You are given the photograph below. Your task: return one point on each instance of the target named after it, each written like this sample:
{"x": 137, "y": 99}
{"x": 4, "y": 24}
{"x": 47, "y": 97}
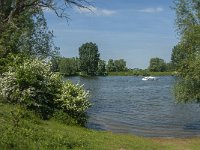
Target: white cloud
{"x": 96, "y": 11}
{"x": 152, "y": 10}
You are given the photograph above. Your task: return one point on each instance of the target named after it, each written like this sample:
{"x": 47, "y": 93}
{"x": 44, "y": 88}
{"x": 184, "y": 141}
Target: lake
{"x": 144, "y": 108}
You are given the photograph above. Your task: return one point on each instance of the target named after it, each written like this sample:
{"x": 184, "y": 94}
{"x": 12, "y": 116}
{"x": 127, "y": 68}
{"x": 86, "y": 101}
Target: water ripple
{"x": 130, "y": 105}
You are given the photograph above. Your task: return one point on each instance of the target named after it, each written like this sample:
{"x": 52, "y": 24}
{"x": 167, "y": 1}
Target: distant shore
{"x": 128, "y": 73}
{"x": 140, "y": 73}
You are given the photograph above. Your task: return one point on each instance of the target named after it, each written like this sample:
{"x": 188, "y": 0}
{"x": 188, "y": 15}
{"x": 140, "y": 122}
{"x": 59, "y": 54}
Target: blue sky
{"x": 134, "y": 30}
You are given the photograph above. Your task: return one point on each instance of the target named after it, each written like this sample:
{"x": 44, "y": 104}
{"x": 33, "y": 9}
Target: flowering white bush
{"x": 74, "y": 98}
{"x": 31, "y": 83}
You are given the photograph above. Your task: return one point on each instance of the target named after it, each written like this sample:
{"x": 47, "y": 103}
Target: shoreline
{"x": 51, "y": 134}
{"x": 125, "y": 73}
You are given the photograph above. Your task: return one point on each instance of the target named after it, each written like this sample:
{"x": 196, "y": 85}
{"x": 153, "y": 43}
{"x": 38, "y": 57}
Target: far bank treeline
{"x": 89, "y": 63}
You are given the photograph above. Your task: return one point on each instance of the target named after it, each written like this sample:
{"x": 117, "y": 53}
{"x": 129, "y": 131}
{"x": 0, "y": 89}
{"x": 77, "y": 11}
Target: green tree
{"x": 68, "y": 66}
{"x": 23, "y": 28}
{"x": 120, "y": 65}
{"x": 55, "y": 63}
{"x": 24, "y": 33}
{"x": 111, "y": 66}
{"x": 101, "y": 67}
{"x": 187, "y": 14}
{"x": 188, "y": 23}
{"x": 116, "y": 65}
{"x": 11, "y": 9}
{"x": 170, "y": 66}
{"x": 76, "y": 64}
{"x": 89, "y": 58}
{"x": 157, "y": 65}
{"x": 178, "y": 55}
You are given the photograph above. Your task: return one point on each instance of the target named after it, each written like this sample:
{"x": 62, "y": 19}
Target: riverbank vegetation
{"x": 21, "y": 129}
{"x": 89, "y": 63}
{"x": 71, "y": 67}
{"x": 30, "y": 83}
{"x": 185, "y": 55}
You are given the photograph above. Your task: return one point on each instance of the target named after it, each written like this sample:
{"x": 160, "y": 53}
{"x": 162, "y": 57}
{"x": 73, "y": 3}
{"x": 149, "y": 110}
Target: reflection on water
{"x": 146, "y": 108}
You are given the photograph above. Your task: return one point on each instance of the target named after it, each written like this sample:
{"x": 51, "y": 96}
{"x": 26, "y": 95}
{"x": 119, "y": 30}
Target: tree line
{"x": 88, "y": 63}
{"x": 159, "y": 65}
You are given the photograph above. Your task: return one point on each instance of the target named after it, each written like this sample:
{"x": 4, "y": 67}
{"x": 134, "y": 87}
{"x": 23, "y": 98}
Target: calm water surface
{"x": 145, "y": 108}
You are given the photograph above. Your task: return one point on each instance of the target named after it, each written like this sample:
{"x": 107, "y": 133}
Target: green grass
{"x": 32, "y": 133}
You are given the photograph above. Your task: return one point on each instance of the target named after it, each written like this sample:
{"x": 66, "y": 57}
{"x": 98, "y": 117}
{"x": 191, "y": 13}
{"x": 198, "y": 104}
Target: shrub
{"x": 74, "y": 101}
{"x": 31, "y": 84}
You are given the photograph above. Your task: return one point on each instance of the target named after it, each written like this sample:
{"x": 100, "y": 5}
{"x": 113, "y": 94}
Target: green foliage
{"x": 157, "y": 65}
{"x": 187, "y": 14}
{"x": 74, "y": 101}
{"x": 116, "y": 65}
{"x": 188, "y": 86}
{"x": 23, "y": 27}
{"x": 74, "y": 98}
{"x": 140, "y": 73}
{"x": 120, "y": 65}
{"x": 186, "y": 53}
{"x": 30, "y": 38}
{"x": 110, "y": 66}
{"x": 31, "y": 132}
{"x": 170, "y": 67}
{"x": 31, "y": 84}
{"x": 51, "y": 135}
{"x": 3, "y": 63}
{"x": 179, "y": 53}
{"x": 10, "y": 9}
{"x": 101, "y": 68}
{"x": 68, "y": 66}
{"x": 55, "y": 63}
{"x": 89, "y": 58}
{"x": 63, "y": 117}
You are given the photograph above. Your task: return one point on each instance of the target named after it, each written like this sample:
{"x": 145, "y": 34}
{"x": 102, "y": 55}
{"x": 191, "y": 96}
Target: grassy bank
{"x": 28, "y": 132}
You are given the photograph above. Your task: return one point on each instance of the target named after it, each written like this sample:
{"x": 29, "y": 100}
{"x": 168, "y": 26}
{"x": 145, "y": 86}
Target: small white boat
{"x": 150, "y": 78}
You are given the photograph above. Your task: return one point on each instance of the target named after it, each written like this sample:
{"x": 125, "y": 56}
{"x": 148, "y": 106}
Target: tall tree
{"x": 11, "y": 9}
{"x": 111, "y": 66}
{"x": 157, "y": 65}
{"x": 116, "y": 65}
{"x": 185, "y": 17}
{"x": 89, "y": 58}
{"x": 188, "y": 23}
{"x": 18, "y": 17}
{"x": 187, "y": 14}
{"x": 179, "y": 54}
{"x": 23, "y": 28}
{"x": 101, "y": 67}
{"x": 68, "y": 66}
{"x": 120, "y": 65}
